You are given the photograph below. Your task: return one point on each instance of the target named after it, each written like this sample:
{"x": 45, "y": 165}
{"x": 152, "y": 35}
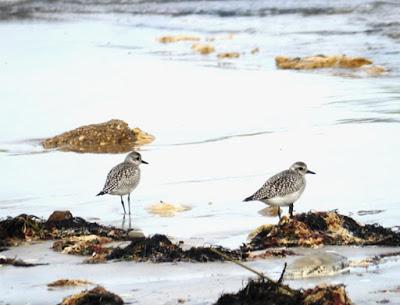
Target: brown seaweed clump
{"x": 159, "y": 249}
{"x": 95, "y": 296}
{"x": 83, "y": 245}
{"x": 320, "y": 61}
{"x": 322, "y": 228}
{"x": 203, "y": 49}
{"x": 228, "y": 55}
{"x": 68, "y": 283}
{"x": 113, "y": 136}
{"x": 60, "y": 224}
{"x": 16, "y": 262}
{"x": 177, "y": 38}
{"x": 274, "y": 293}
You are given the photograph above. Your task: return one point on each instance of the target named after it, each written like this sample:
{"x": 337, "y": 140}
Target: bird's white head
{"x": 135, "y": 158}
{"x": 301, "y": 168}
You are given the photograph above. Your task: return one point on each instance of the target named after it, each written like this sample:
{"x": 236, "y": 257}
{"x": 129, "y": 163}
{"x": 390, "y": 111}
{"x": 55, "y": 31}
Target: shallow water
{"x": 221, "y": 127}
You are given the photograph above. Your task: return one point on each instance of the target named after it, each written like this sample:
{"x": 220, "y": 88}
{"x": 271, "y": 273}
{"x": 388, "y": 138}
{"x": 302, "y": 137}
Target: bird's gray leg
{"x": 129, "y": 203}
{"x": 123, "y": 205}
{"x": 123, "y": 223}
{"x": 291, "y": 210}
{"x": 279, "y": 213}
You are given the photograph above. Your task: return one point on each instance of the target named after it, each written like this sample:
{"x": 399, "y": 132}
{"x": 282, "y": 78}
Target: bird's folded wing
{"x": 118, "y": 175}
{"x": 279, "y": 185}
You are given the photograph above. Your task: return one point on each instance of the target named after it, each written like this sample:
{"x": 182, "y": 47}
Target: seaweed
{"x": 60, "y": 224}
{"x": 261, "y": 292}
{"x": 16, "y": 262}
{"x": 95, "y": 296}
{"x": 159, "y": 248}
{"x": 322, "y": 228}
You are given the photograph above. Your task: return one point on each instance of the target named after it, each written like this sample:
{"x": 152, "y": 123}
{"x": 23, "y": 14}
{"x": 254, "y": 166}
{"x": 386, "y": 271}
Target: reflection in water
{"x": 129, "y": 223}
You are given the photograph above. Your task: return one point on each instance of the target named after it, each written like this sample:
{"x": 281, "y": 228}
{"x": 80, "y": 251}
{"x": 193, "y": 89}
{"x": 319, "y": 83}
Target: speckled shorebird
{"x": 284, "y": 188}
{"x": 123, "y": 178}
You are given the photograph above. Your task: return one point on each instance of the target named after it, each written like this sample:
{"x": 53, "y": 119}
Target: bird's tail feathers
{"x": 101, "y": 193}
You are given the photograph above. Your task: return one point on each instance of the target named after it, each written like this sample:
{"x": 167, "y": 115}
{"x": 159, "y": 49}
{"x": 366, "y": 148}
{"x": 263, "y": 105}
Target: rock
{"x": 133, "y": 234}
{"x": 203, "y": 49}
{"x": 315, "y": 265}
{"x": 228, "y": 55}
{"x": 264, "y": 292}
{"x": 322, "y": 228}
{"x": 164, "y": 209}
{"x": 255, "y": 50}
{"x": 320, "y": 61}
{"x": 59, "y": 216}
{"x": 177, "y": 38}
{"x": 96, "y": 296}
{"x": 68, "y": 283}
{"x": 113, "y": 136}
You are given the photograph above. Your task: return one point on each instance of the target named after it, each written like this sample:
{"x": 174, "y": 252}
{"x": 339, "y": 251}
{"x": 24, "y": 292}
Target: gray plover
{"x": 284, "y": 188}
{"x": 123, "y": 178}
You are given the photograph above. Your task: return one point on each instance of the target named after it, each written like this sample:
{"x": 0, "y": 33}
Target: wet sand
{"x": 221, "y": 129}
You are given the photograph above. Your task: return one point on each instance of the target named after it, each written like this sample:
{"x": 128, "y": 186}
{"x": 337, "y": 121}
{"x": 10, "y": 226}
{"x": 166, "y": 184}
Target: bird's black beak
{"x": 310, "y": 172}
{"x": 144, "y": 162}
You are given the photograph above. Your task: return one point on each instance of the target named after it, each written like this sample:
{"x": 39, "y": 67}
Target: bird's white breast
{"x": 284, "y": 200}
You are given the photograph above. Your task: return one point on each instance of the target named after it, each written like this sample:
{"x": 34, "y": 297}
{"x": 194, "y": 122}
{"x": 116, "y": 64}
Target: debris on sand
{"x": 177, "y": 38}
{"x": 165, "y": 209}
{"x": 375, "y": 260}
{"x": 113, "y": 136}
{"x": 82, "y": 245}
{"x": 203, "y": 49}
{"x": 68, "y": 283}
{"x": 267, "y": 292}
{"x": 159, "y": 249}
{"x": 314, "y": 229}
{"x": 228, "y": 55}
{"x": 16, "y": 262}
{"x": 95, "y": 296}
{"x": 61, "y": 224}
{"x": 320, "y": 61}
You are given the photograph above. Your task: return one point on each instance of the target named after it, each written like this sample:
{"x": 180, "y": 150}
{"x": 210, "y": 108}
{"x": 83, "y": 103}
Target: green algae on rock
{"x": 322, "y": 228}
{"x": 113, "y": 136}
